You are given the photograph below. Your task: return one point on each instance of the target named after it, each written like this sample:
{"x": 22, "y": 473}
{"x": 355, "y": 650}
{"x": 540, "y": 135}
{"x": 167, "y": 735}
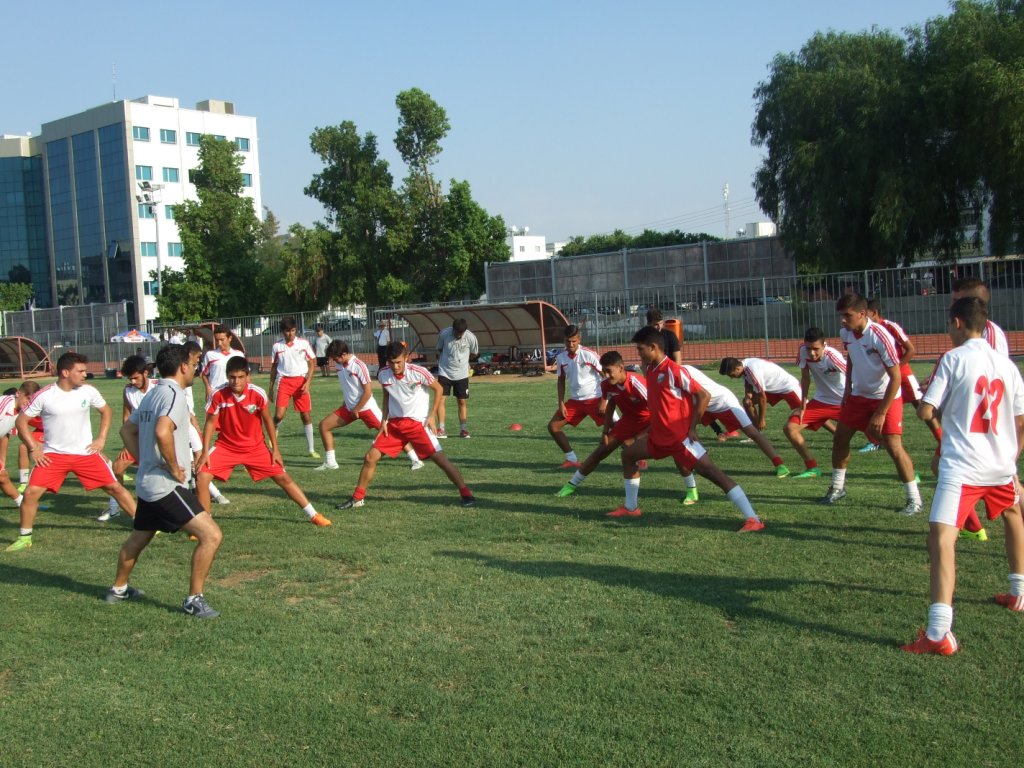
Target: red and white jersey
{"x": 996, "y": 338}
{"x": 898, "y": 335}
{"x": 133, "y": 395}
{"x": 353, "y": 378}
{"x": 722, "y": 398}
{"x": 214, "y": 364}
{"x": 292, "y": 358}
{"x": 67, "y": 426}
{"x": 582, "y": 372}
{"x": 669, "y": 398}
{"x": 8, "y": 413}
{"x": 407, "y": 394}
{"x": 765, "y": 376}
{"x": 980, "y": 393}
{"x": 240, "y": 420}
{"x": 630, "y": 396}
{"x": 829, "y": 374}
{"x": 872, "y": 351}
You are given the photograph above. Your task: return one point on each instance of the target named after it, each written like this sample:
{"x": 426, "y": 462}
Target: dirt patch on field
{"x": 240, "y": 577}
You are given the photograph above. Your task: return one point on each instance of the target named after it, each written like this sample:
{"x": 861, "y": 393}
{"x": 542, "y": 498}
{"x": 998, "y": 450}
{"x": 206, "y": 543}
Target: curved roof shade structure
{"x": 23, "y": 358}
{"x": 205, "y": 332}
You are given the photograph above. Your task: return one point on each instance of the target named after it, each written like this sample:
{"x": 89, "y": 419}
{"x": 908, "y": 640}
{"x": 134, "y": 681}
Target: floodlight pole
{"x": 151, "y": 197}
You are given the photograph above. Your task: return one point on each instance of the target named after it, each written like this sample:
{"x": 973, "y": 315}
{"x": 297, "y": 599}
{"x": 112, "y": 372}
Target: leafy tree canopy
{"x": 618, "y": 240}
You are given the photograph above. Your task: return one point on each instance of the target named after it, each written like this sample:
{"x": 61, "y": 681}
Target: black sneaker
{"x": 351, "y": 504}
{"x": 130, "y": 593}
{"x": 468, "y": 501}
{"x": 833, "y": 496}
{"x": 198, "y": 607}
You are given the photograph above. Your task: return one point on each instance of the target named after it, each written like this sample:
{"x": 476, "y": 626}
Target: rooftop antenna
{"x": 113, "y": 78}
{"x": 725, "y": 207}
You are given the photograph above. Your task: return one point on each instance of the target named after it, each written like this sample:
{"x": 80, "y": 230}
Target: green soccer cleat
{"x": 782, "y": 471}
{"x": 314, "y": 455}
{"x": 566, "y": 490}
{"x": 691, "y": 497}
{"x": 808, "y": 473}
{"x": 22, "y": 542}
{"x": 976, "y": 535}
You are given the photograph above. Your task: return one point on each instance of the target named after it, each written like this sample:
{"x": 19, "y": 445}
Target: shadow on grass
{"x": 22, "y": 576}
{"x": 734, "y": 596}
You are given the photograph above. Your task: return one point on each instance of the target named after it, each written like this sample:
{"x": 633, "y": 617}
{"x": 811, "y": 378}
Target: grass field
{"x": 526, "y": 631}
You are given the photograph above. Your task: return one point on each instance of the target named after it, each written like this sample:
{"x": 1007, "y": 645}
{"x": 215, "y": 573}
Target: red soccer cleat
{"x": 571, "y": 465}
{"x": 947, "y": 646}
{"x": 1013, "y": 602}
{"x": 319, "y": 520}
{"x": 728, "y": 435}
{"x": 750, "y": 525}
{"x": 623, "y": 512}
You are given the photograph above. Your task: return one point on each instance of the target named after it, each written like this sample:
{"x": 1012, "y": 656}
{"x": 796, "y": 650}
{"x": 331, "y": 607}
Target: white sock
{"x": 742, "y": 503}
{"x": 691, "y": 480}
{"x": 24, "y": 531}
{"x": 214, "y": 493}
{"x": 571, "y": 456}
{"x": 838, "y": 479}
{"x": 632, "y": 492}
{"x": 1017, "y": 584}
{"x": 17, "y": 501}
{"x": 329, "y": 457}
{"x": 913, "y": 494}
{"x": 308, "y": 429}
{"x": 310, "y": 512}
{"x": 940, "y": 620}
{"x": 22, "y": 476}
{"x": 119, "y": 590}
{"x": 577, "y": 477}
{"x": 112, "y": 503}
{"x": 411, "y": 453}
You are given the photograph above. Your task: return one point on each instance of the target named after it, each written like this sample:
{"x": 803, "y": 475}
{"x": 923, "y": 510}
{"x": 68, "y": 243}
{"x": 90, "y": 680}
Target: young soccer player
{"x": 357, "y": 389}
{"x": 25, "y": 393}
{"x": 826, "y": 366}
{"x": 239, "y": 413}
{"x": 457, "y": 347}
{"x": 910, "y": 390}
{"x": 676, "y": 403}
{"x": 980, "y": 395}
{"x": 871, "y": 400}
{"x": 195, "y": 439}
{"x": 994, "y": 336}
{"x": 581, "y": 369}
{"x": 68, "y": 442}
{"x": 290, "y": 375}
{"x": 156, "y": 432}
{"x": 764, "y": 384}
{"x": 406, "y": 417}
{"x": 215, "y": 359}
{"x": 8, "y": 416}
{"x": 135, "y": 371}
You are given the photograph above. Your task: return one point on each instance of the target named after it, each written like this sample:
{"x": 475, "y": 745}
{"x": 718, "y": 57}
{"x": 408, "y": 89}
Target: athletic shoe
{"x": 22, "y": 542}
{"x": 808, "y": 473}
{"x": 917, "y": 477}
{"x": 130, "y": 593}
{"x": 464, "y": 433}
{"x": 750, "y": 525}
{"x": 198, "y": 607}
{"x": 833, "y": 495}
{"x": 1013, "y": 602}
{"x": 728, "y": 435}
{"x": 110, "y": 514}
{"x": 128, "y": 477}
{"x": 22, "y": 487}
{"x": 566, "y": 490}
{"x": 623, "y": 512}
{"x": 325, "y": 466}
{"x": 442, "y": 433}
{"x": 691, "y": 497}
{"x": 220, "y": 498}
{"x": 642, "y": 465}
{"x": 947, "y": 646}
{"x": 571, "y": 465}
{"x": 351, "y": 504}
{"x": 911, "y": 508}
{"x": 869, "y": 448}
{"x": 976, "y": 535}
{"x": 320, "y": 520}
{"x": 314, "y": 455}
{"x": 414, "y": 466}
{"x": 782, "y": 471}
{"x": 468, "y": 501}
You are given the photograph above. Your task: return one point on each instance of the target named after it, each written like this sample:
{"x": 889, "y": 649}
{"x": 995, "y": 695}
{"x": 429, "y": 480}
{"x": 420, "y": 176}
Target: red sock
{"x": 359, "y": 493}
{"x": 972, "y": 523}
{"x": 811, "y": 464}
{"x": 777, "y": 461}
{"x": 464, "y": 491}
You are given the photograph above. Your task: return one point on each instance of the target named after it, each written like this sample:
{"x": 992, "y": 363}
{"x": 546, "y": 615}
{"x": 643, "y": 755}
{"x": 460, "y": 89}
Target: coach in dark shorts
{"x": 672, "y": 351}
{"x": 456, "y": 347}
{"x": 157, "y": 433}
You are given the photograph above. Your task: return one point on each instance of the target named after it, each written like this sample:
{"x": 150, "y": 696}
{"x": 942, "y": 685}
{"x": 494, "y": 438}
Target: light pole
{"x": 149, "y": 195}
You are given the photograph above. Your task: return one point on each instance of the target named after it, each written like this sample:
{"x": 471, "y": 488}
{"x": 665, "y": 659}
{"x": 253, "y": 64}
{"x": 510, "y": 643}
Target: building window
{"x": 242, "y": 143}
{"x": 148, "y": 249}
{"x": 143, "y": 172}
{"x": 192, "y": 139}
{"x": 168, "y": 211}
{"x": 174, "y": 249}
{"x": 522, "y": 249}
{"x": 145, "y": 211}
{"x": 171, "y": 175}
{"x": 167, "y": 136}
{"x": 139, "y": 133}
{"x": 246, "y": 179}
{"x": 151, "y": 287}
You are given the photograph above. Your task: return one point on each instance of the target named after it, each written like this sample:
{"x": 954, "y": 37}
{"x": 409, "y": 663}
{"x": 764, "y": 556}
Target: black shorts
{"x": 460, "y": 387}
{"x": 321, "y": 362}
{"x": 169, "y": 513}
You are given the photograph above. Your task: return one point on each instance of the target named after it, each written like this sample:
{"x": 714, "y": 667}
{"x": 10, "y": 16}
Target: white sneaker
{"x": 416, "y": 465}
{"x": 325, "y": 466}
{"x": 220, "y": 499}
{"x": 109, "y": 515}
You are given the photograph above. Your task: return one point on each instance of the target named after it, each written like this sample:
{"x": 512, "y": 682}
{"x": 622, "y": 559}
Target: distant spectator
{"x": 383, "y": 337}
{"x": 656, "y": 320}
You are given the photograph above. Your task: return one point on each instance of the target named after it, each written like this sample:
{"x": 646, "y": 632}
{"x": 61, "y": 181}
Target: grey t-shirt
{"x": 320, "y": 345}
{"x": 454, "y": 361}
{"x": 153, "y": 481}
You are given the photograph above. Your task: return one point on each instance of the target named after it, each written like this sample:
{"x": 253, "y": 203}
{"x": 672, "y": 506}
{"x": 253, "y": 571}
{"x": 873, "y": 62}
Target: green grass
{"x": 526, "y": 631}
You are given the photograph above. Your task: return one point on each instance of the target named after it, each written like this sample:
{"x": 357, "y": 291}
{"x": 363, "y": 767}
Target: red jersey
{"x": 669, "y": 390}
{"x": 630, "y": 397}
{"x": 241, "y": 423}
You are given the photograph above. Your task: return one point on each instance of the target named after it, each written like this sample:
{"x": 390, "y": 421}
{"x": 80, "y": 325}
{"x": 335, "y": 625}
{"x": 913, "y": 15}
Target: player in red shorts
{"x": 764, "y": 384}
{"x": 407, "y": 417}
{"x": 671, "y": 398}
{"x": 827, "y": 367}
{"x": 68, "y": 443}
{"x": 581, "y": 369}
{"x": 239, "y": 413}
{"x": 980, "y": 396}
{"x": 628, "y": 391}
{"x": 290, "y": 375}
{"x": 24, "y": 396}
{"x": 8, "y": 416}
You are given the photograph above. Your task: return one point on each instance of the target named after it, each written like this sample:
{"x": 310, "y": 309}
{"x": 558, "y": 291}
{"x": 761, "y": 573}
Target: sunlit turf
{"x": 528, "y": 630}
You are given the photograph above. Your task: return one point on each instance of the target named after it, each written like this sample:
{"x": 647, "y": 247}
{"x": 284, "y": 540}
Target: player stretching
{"x": 674, "y": 417}
{"x": 764, "y": 384}
{"x": 195, "y": 440}
{"x": 214, "y": 360}
{"x": 871, "y": 401}
{"x": 68, "y": 443}
{"x": 827, "y": 367}
{"x": 136, "y": 371}
{"x": 581, "y": 368}
{"x": 9, "y": 408}
{"x": 406, "y": 417}
{"x": 290, "y": 375}
{"x": 25, "y": 393}
{"x": 980, "y": 395}
{"x": 239, "y": 411}
{"x": 357, "y": 389}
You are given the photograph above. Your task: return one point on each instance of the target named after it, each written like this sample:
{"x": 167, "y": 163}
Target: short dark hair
{"x": 814, "y": 333}
{"x": 972, "y": 311}
{"x": 29, "y": 388}
{"x": 190, "y": 347}
{"x": 649, "y": 336}
{"x": 236, "y": 363}
{"x": 222, "y": 329}
{"x": 459, "y": 325}
{"x": 654, "y": 315}
{"x": 319, "y": 327}
{"x": 287, "y": 324}
{"x": 611, "y": 357}
{"x": 11, "y": 391}
{"x": 170, "y": 359}
{"x": 134, "y": 364}
{"x": 571, "y": 330}
{"x": 395, "y": 350}
{"x": 729, "y": 364}
{"x": 967, "y": 284}
{"x": 337, "y": 348}
{"x": 851, "y": 301}
{"x": 69, "y": 360}
{"x": 874, "y": 305}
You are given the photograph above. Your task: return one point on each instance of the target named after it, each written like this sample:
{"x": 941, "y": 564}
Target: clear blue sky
{"x": 569, "y": 117}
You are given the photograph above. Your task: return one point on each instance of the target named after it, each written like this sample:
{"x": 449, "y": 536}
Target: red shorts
{"x": 93, "y": 471}
{"x": 367, "y": 416}
{"x": 857, "y": 411}
{"x": 257, "y": 462}
{"x": 577, "y": 410}
{"x": 791, "y": 398}
{"x": 686, "y": 452}
{"x": 910, "y": 390}
{"x": 953, "y": 502}
{"x": 816, "y": 414}
{"x": 627, "y": 429}
{"x": 286, "y": 390}
{"x": 402, "y": 430}
{"x": 732, "y": 419}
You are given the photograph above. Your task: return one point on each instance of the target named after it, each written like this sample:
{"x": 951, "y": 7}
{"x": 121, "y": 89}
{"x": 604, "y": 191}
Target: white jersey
{"x": 765, "y": 376}
{"x": 996, "y": 338}
{"x": 979, "y": 393}
{"x": 292, "y": 359}
{"x": 407, "y": 395}
{"x": 582, "y": 372}
{"x": 722, "y": 398}
{"x": 8, "y": 413}
{"x": 829, "y": 374}
{"x": 67, "y": 427}
{"x": 353, "y": 378}
{"x": 872, "y": 352}
{"x": 133, "y": 395}
{"x": 214, "y": 365}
